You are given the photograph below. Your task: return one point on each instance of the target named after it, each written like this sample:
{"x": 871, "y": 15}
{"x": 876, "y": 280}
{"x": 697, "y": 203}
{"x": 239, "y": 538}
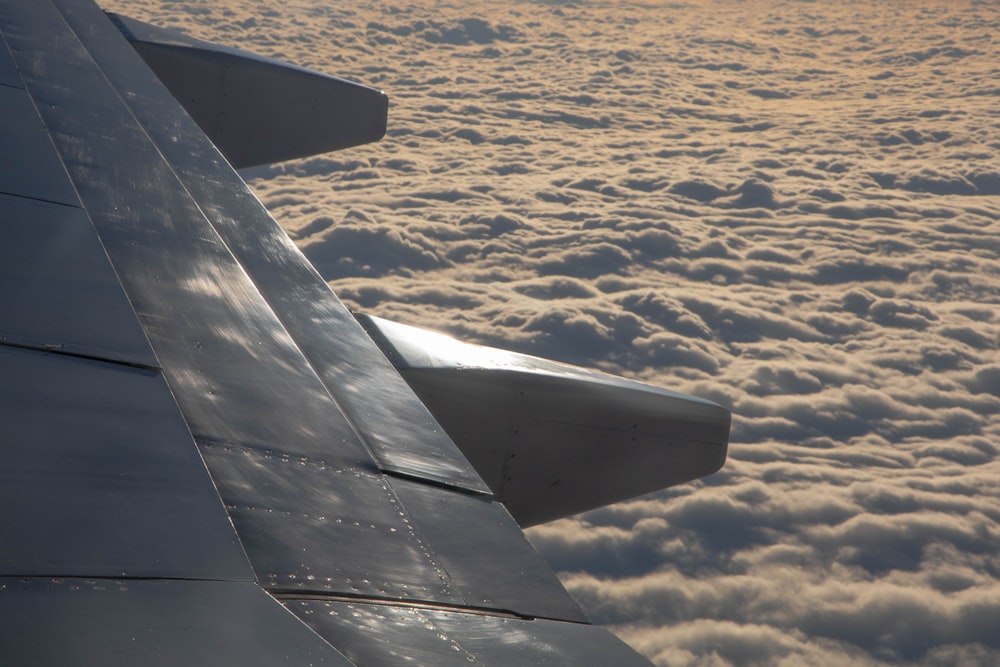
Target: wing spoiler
{"x": 255, "y": 109}
{"x": 550, "y": 439}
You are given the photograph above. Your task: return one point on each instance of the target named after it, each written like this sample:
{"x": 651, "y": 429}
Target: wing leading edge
{"x": 224, "y": 468}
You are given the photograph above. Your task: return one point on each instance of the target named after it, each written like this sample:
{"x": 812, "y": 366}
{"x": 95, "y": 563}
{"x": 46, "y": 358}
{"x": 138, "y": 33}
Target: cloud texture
{"x": 790, "y": 208}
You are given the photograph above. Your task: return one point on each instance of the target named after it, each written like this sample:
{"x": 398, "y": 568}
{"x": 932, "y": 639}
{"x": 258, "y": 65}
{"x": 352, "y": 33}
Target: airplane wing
{"x": 205, "y": 458}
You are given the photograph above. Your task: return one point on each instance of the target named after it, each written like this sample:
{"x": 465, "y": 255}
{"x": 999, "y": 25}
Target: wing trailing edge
{"x": 550, "y": 439}
{"x": 258, "y": 110}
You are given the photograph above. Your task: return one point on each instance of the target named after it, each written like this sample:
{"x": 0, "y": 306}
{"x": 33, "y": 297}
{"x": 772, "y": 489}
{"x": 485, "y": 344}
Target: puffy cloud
{"x": 796, "y": 220}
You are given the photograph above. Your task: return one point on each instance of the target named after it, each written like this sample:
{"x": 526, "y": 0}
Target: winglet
{"x": 258, "y": 110}
{"x": 551, "y": 439}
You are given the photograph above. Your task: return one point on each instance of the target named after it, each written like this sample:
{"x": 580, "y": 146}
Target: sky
{"x": 791, "y": 208}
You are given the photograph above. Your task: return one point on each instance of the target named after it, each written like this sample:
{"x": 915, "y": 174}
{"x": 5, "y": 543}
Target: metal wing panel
{"x": 237, "y": 375}
{"x": 40, "y": 176}
{"x": 99, "y": 476}
{"x": 308, "y": 526}
{"x": 57, "y": 288}
{"x": 485, "y": 553}
{"x": 400, "y": 432}
{"x": 87, "y": 487}
{"x": 379, "y": 635}
{"x": 373, "y": 635}
{"x": 8, "y": 73}
{"x": 124, "y": 622}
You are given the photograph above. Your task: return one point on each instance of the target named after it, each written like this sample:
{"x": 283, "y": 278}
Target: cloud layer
{"x": 790, "y": 208}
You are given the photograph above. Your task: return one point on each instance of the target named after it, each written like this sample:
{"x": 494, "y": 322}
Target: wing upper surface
{"x": 208, "y": 379}
{"x": 8, "y": 72}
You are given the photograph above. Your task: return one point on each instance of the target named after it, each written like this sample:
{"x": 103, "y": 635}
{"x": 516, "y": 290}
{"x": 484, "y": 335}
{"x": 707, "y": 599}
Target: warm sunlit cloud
{"x": 792, "y": 208}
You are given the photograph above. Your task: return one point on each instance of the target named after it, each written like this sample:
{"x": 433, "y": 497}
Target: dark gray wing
{"x": 201, "y": 448}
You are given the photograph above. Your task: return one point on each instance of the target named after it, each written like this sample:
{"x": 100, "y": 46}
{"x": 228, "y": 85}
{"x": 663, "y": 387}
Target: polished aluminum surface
{"x": 57, "y": 288}
{"x": 99, "y": 476}
{"x": 124, "y": 623}
{"x": 376, "y": 635}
